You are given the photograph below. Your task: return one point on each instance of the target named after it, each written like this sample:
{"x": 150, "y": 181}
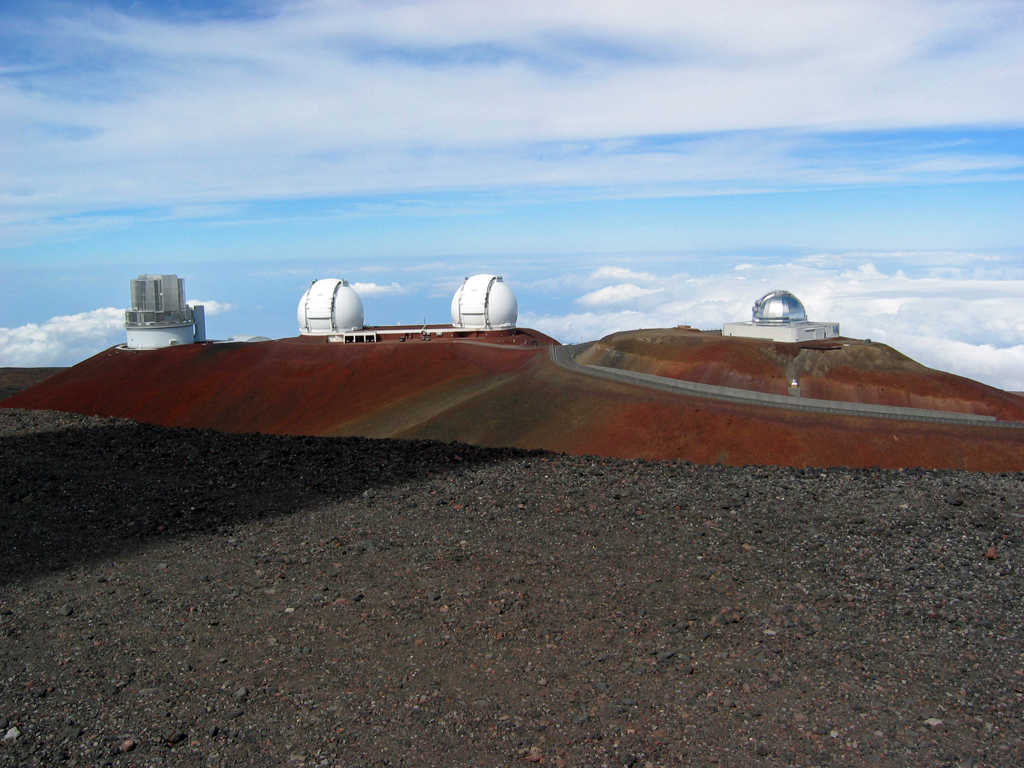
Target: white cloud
{"x": 619, "y": 273}
{"x": 1002, "y": 367}
{"x": 615, "y": 294}
{"x": 586, "y": 326}
{"x": 69, "y": 339}
{"x": 863, "y": 272}
{"x": 213, "y": 307}
{"x": 372, "y": 289}
{"x": 63, "y": 340}
{"x": 969, "y": 326}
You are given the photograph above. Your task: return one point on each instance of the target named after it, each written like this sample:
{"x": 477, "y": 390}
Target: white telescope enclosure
{"x": 159, "y": 316}
{"x": 484, "y": 302}
{"x": 329, "y": 305}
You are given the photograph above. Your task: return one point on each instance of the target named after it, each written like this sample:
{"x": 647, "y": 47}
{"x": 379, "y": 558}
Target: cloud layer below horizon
{"x": 68, "y": 339}
{"x": 964, "y": 318}
{"x": 953, "y": 320}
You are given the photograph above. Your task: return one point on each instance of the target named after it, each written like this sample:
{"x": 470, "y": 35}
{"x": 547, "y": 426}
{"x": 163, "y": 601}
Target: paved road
{"x": 565, "y": 357}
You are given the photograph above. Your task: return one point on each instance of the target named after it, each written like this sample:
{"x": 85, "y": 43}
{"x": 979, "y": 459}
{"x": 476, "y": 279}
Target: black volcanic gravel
{"x": 193, "y": 598}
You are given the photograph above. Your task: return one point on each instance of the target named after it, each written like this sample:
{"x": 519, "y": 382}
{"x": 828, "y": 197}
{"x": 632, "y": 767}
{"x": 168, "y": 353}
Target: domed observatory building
{"x": 484, "y": 309}
{"x": 484, "y": 303}
{"x": 159, "y": 316}
{"x": 780, "y": 316}
{"x": 330, "y": 307}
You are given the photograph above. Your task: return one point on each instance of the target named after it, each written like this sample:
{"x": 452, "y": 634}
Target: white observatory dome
{"x": 484, "y": 302}
{"x": 329, "y": 306}
{"x": 779, "y": 307}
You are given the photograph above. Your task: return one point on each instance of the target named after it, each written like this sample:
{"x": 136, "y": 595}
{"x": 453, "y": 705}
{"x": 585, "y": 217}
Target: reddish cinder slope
{"x": 13, "y": 380}
{"x": 548, "y": 407}
{"x": 849, "y": 370}
{"x": 291, "y": 386}
{"x": 490, "y": 395}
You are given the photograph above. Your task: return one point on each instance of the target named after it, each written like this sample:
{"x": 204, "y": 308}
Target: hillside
{"x": 849, "y": 370}
{"x": 490, "y": 395}
{"x": 13, "y": 380}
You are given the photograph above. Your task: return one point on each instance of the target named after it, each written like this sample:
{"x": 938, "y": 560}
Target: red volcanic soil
{"x": 287, "y": 387}
{"x": 848, "y": 370}
{"x": 490, "y": 395}
{"x": 547, "y": 407}
{"x": 14, "y": 380}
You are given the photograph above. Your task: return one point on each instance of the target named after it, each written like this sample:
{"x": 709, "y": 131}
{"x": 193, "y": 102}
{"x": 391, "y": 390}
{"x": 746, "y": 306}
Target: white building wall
{"x": 783, "y": 332}
{"x": 199, "y": 316}
{"x": 159, "y": 337}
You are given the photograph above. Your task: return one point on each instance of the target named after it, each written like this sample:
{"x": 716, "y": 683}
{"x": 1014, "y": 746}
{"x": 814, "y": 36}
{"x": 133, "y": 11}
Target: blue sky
{"x": 621, "y": 164}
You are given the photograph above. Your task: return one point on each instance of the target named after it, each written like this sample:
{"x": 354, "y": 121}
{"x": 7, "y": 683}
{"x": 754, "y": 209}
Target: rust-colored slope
{"x": 688, "y": 355}
{"x": 551, "y": 408}
{"x": 291, "y": 386}
{"x": 14, "y": 380}
{"x": 488, "y": 395}
{"x": 845, "y": 369}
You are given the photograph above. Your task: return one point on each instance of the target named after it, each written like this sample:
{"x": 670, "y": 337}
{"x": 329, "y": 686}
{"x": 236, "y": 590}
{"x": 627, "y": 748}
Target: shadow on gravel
{"x": 77, "y": 495}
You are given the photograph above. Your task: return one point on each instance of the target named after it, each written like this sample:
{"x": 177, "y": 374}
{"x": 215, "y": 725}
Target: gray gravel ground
{"x": 192, "y": 598}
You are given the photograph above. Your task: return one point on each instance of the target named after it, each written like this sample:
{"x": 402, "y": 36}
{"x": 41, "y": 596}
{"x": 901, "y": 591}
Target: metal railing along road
{"x": 565, "y": 356}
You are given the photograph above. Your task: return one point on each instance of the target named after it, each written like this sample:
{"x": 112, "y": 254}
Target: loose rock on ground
{"x": 192, "y": 598}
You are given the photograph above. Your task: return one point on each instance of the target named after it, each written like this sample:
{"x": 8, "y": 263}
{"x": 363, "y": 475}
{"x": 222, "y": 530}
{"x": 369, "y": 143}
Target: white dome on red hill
{"x": 484, "y": 302}
{"x": 329, "y": 306}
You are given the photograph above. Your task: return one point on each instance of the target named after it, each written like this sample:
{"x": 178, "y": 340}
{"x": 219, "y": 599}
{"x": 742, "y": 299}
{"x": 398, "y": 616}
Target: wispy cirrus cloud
{"x": 110, "y": 107}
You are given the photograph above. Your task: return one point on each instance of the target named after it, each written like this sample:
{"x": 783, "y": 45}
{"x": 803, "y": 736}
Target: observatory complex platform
{"x": 483, "y": 308}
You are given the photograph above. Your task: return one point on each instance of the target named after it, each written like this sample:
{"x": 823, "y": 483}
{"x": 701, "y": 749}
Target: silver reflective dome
{"x": 779, "y": 307}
